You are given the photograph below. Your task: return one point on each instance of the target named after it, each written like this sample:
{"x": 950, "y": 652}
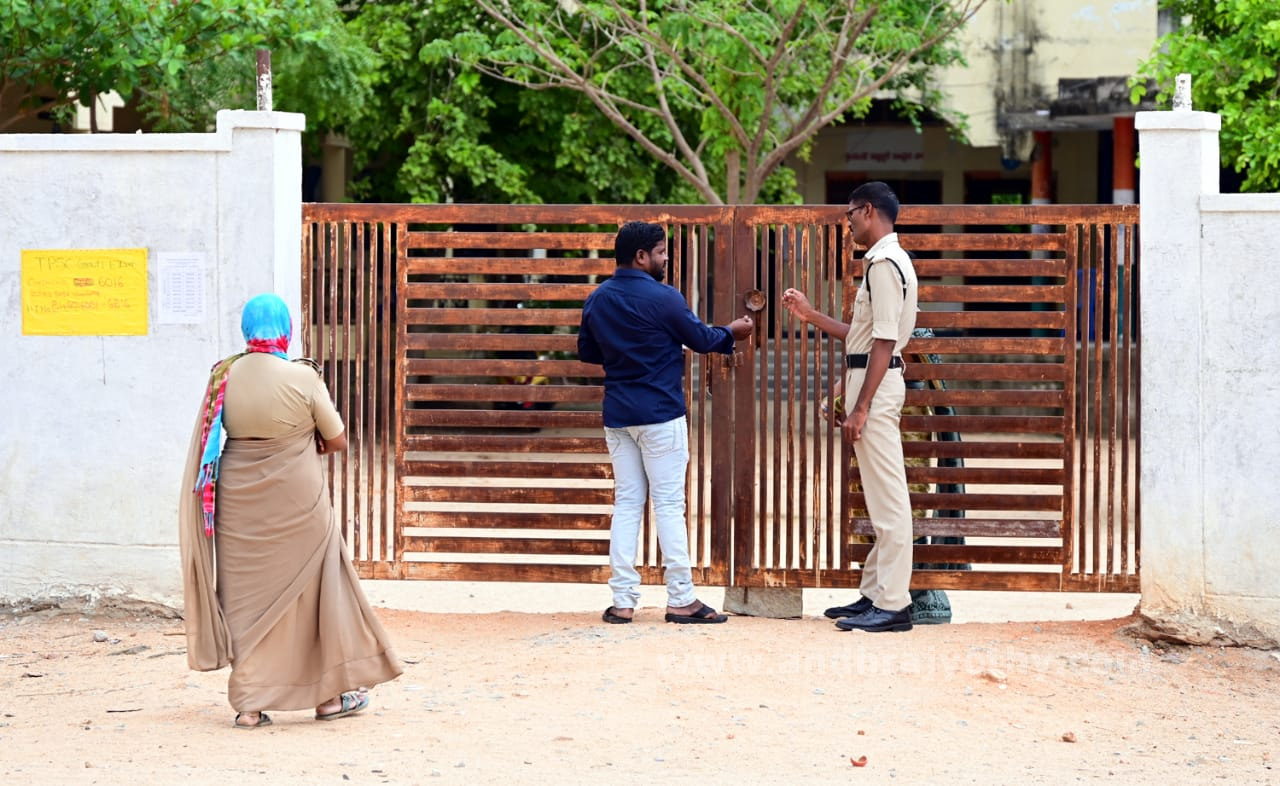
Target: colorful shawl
{"x": 267, "y": 327}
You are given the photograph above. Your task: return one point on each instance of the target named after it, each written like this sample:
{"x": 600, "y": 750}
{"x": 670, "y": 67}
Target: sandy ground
{"x": 493, "y": 696}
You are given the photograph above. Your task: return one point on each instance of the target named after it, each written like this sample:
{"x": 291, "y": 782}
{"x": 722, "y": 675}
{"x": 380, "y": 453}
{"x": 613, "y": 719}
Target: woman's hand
{"x": 327, "y": 446}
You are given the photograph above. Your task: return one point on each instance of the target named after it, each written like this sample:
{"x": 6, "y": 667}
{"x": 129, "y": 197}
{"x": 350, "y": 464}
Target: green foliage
{"x": 435, "y": 130}
{"x": 423, "y": 136}
{"x": 560, "y": 101}
{"x": 182, "y": 60}
{"x": 1231, "y": 49}
{"x": 719, "y": 91}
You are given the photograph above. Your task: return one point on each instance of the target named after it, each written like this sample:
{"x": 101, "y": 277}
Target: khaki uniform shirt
{"x": 884, "y": 312}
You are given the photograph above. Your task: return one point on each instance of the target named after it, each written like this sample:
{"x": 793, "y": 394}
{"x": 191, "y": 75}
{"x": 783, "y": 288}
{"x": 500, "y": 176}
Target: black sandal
{"x": 705, "y": 615}
{"x": 614, "y": 619}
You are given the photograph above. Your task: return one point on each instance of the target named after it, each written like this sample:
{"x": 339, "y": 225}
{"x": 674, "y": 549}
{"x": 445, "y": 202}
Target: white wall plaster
{"x": 94, "y": 429}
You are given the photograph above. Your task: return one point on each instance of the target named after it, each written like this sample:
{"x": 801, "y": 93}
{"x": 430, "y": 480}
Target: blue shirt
{"x": 636, "y": 328}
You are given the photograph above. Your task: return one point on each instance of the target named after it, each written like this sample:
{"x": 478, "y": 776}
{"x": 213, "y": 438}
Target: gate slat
{"x": 986, "y": 424}
{"x": 984, "y": 241}
{"x": 1016, "y": 214}
{"x": 985, "y": 268}
{"x": 579, "y": 470}
{"x": 502, "y": 392}
{"x": 1021, "y": 476}
{"x": 511, "y": 265}
{"x": 500, "y": 342}
{"x": 975, "y": 527}
{"x": 831, "y": 578}
{"x": 550, "y": 495}
{"x": 973, "y": 501}
{"x": 502, "y": 520}
{"x": 538, "y": 546}
{"x": 1016, "y": 449}
{"x": 1008, "y": 293}
{"x": 961, "y": 398}
{"x": 987, "y": 372}
{"x": 963, "y": 555}
{"x": 502, "y": 368}
{"x": 1007, "y": 320}
{"x": 503, "y": 444}
{"x": 495, "y": 571}
{"x": 500, "y": 419}
{"x": 496, "y": 290}
{"x": 573, "y": 241}
{"x": 497, "y": 317}
{"x": 986, "y": 346}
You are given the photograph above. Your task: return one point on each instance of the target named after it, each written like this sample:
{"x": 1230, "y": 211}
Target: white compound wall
{"x": 1210, "y": 311}
{"x": 94, "y": 428}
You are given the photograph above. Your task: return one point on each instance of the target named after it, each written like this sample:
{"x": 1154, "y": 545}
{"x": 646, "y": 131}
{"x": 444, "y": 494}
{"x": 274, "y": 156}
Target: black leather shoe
{"x": 877, "y": 620}
{"x": 852, "y": 610}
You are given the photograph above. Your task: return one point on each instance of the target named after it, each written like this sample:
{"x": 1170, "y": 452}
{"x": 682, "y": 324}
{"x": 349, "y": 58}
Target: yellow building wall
{"x": 1017, "y": 50}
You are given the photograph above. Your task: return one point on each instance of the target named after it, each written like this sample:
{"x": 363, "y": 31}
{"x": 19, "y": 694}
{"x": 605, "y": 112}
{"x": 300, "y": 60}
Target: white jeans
{"x": 649, "y": 462}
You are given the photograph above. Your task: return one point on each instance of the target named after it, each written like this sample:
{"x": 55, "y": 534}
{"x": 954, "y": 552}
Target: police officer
{"x": 884, "y": 314}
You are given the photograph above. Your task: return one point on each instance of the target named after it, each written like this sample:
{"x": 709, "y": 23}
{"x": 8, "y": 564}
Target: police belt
{"x": 860, "y": 361}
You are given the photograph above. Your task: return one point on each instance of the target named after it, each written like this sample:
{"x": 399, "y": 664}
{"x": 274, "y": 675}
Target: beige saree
{"x": 273, "y": 593}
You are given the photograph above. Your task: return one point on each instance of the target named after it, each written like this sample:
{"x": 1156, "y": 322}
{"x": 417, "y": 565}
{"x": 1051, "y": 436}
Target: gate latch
{"x": 755, "y": 301}
{"x": 736, "y": 360}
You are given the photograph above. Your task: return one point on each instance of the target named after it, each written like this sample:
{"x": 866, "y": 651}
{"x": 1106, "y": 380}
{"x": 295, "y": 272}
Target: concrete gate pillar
{"x": 1179, "y": 152}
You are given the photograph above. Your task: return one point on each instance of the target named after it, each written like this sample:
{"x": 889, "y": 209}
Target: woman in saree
{"x": 268, "y": 586}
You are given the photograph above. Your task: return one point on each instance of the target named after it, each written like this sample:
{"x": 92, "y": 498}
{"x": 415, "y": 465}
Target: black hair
{"x": 879, "y": 196}
{"x": 634, "y": 237}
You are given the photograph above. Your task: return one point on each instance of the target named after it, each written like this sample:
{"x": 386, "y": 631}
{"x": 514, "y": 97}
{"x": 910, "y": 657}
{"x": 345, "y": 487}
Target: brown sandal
{"x": 263, "y": 720}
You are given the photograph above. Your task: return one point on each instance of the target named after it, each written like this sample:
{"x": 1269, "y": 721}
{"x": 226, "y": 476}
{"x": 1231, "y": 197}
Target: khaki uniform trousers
{"x": 886, "y": 574}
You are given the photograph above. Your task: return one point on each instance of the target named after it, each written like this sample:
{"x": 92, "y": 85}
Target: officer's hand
{"x": 794, "y": 300}
{"x": 853, "y": 424}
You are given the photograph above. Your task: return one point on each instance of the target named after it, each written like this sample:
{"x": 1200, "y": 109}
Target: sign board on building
{"x": 883, "y": 149}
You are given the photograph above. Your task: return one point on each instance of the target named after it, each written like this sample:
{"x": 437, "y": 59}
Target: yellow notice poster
{"x": 84, "y": 292}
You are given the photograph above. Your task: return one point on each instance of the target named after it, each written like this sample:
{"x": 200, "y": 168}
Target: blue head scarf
{"x": 266, "y": 325}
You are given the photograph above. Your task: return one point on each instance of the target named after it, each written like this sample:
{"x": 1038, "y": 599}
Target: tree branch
{"x": 754, "y": 178}
{"x": 603, "y": 100}
{"x": 789, "y": 110}
{"x": 699, "y": 82}
{"x": 668, "y": 117}
{"x": 814, "y": 119}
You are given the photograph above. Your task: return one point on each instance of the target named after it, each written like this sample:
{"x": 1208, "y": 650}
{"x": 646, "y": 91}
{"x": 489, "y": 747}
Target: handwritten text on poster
{"x": 84, "y": 292}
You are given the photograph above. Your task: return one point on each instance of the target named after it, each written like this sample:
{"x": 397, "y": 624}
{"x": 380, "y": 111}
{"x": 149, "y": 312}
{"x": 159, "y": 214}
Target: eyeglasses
{"x": 851, "y": 211}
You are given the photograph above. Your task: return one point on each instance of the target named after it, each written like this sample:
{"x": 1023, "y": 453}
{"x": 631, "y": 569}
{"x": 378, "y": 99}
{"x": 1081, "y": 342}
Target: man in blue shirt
{"x": 637, "y": 328}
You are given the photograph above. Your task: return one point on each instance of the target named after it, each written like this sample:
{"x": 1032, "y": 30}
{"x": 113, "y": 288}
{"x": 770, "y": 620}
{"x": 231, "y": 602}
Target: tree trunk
{"x": 733, "y": 176}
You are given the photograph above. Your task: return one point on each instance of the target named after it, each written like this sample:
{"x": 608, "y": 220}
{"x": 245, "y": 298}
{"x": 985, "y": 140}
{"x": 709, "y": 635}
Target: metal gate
{"x": 447, "y": 333}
